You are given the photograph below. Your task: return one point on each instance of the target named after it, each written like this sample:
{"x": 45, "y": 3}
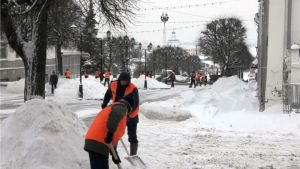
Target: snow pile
{"x": 92, "y": 88}
{"x": 43, "y": 135}
{"x": 181, "y": 78}
{"x": 151, "y": 83}
{"x": 231, "y": 104}
{"x": 16, "y": 86}
{"x": 165, "y": 111}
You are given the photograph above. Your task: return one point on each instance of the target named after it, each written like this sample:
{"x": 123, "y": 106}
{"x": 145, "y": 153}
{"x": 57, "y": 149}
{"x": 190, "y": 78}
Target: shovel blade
{"x": 136, "y": 161}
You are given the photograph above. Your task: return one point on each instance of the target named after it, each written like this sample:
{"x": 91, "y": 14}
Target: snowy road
{"x": 9, "y": 102}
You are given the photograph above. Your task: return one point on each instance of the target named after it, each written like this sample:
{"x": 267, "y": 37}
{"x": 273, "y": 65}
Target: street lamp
{"x": 93, "y": 33}
{"x": 149, "y": 47}
{"x": 164, "y": 18}
{"x": 108, "y": 34}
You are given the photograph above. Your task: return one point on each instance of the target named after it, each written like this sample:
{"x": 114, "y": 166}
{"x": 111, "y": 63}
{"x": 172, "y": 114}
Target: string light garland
{"x": 185, "y": 6}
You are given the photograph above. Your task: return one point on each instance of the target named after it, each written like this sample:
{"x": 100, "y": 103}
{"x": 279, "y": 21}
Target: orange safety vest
{"x": 98, "y": 129}
{"x": 68, "y": 73}
{"x": 129, "y": 90}
{"x": 106, "y": 74}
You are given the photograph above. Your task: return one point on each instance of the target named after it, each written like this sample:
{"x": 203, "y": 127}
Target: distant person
{"x": 101, "y": 76}
{"x": 104, "y": 133}
{"x": 193, "y": 79}
{"x": 68, "y": 74}
{"x": 172, "y": 78}
{"x": 86, "y": 75}
{"x": 53, "y": 81}
{"x": 106, "y": 77}
{"x": 124, "y": 89}
{"x": 198, "y": 79}
{"x": 204, "y": 80}
{"x": 97, "y": 74}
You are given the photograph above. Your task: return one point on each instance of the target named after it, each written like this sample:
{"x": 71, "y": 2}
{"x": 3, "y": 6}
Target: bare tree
{"x": 28, "y": 35}
{"x": 223, "y": 40}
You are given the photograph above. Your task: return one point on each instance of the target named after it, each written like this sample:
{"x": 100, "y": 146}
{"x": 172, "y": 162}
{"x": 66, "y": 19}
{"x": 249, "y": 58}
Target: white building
{"x": 173, "y": 41}
{"x": 279, "y": 65}
{"x": 12, "y": 67}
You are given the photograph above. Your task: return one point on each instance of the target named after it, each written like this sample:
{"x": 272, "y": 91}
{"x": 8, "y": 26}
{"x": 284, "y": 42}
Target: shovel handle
{"x": 125, "y": 147}
{"x": 114, "y": 154}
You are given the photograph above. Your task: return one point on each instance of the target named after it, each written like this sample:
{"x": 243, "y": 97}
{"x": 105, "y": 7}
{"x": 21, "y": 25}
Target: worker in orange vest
{"x": 97, "y": 74}
{"x": 104, "y": 133}
{"x": 124, "y": 89}
{"x": 68, "y": 74}
{"x": 106, "y": 77}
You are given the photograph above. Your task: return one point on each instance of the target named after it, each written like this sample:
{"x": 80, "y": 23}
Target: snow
{"x": 92, "y": 88}
{"x": 151, "y": 83}
{"x": 295, "y": 46}
{"x": 181, "y": 78}
{"x": 210, "y": 127}
{"x": 43, "y": 135}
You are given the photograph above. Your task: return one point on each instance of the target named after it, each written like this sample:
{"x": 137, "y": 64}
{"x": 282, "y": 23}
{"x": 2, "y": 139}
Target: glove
{"x": 103, "y": 106}
{"x": 109, "y": 137}
{"x": 116, "y": 161}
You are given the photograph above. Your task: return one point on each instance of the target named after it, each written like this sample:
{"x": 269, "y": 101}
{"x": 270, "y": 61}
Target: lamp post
{"x": 149, "y": 47}
{"x": 164, "y": 18}
{"x": 108, "y": 34}
{"x": 93, "y": 33}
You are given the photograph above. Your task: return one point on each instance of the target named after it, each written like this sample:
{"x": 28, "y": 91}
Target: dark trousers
{"x": 192, "y": 82}
{"x": 106, "y": 81}
{"x": 53, "y": 86}
{"x": 98, "y": 161}
{"x": 172, "y": 83}
{"x": 131, "y": 129}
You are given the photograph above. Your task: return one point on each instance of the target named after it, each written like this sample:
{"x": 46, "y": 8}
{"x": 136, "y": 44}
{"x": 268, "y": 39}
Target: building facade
{"x": 12, "y": 67}
{"x": 278, "y": 64}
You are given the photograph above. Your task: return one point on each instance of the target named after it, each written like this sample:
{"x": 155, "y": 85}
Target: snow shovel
{"x": 112, "y": 149}
{"x": 134, "y": 159}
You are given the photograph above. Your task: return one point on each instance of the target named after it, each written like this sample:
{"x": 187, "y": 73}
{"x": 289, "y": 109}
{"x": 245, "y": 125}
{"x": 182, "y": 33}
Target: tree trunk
{"x": 59, "y": 57}
{"x": 33, "y": 53}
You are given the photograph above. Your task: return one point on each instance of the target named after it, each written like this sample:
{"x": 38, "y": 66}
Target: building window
{"x": 3, "y": 48}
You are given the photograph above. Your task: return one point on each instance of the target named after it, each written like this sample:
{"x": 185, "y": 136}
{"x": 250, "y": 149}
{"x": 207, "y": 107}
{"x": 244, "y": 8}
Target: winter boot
{"x": 133, "y": 148}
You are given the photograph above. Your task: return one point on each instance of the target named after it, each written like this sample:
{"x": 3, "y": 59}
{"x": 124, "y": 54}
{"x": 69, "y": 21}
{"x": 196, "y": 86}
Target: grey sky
{"x": 188, "y": 22}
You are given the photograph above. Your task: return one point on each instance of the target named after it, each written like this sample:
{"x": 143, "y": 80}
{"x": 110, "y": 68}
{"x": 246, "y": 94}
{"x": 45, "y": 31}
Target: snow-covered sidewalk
{"x": 211, "y": 127}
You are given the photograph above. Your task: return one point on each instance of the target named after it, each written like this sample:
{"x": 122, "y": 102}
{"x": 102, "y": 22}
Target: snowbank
{"x": 162, "y": 111}
{"x": 181, "y": 78}
{"x": 16, "y": 87}
{"x": 92, "y": 88}
{"x": 151, "y": 83}
{"x": 43, "y": 135}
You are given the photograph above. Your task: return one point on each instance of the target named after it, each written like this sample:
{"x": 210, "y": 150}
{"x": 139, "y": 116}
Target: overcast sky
{"x": 187, "y": 21}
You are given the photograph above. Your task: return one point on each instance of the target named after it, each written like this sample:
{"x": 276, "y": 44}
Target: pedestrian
{"x": 106, "y": 77}
{"x": 53, "y": 81}
{"x": 150, "y": 74}
{"x": 198, "y": 79}
{"x": 124, "y": 89}
{"x": 101, "y": 76}
{"x": 193, "y": 78}
{"x": 68, "y": 74}
{"x": 104, "y": 133}
{"x": 86, "y": 75}
{"x": 97, "y": 74}
{"x": 204, "y": 80}
{"x": 172, "y": 78}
